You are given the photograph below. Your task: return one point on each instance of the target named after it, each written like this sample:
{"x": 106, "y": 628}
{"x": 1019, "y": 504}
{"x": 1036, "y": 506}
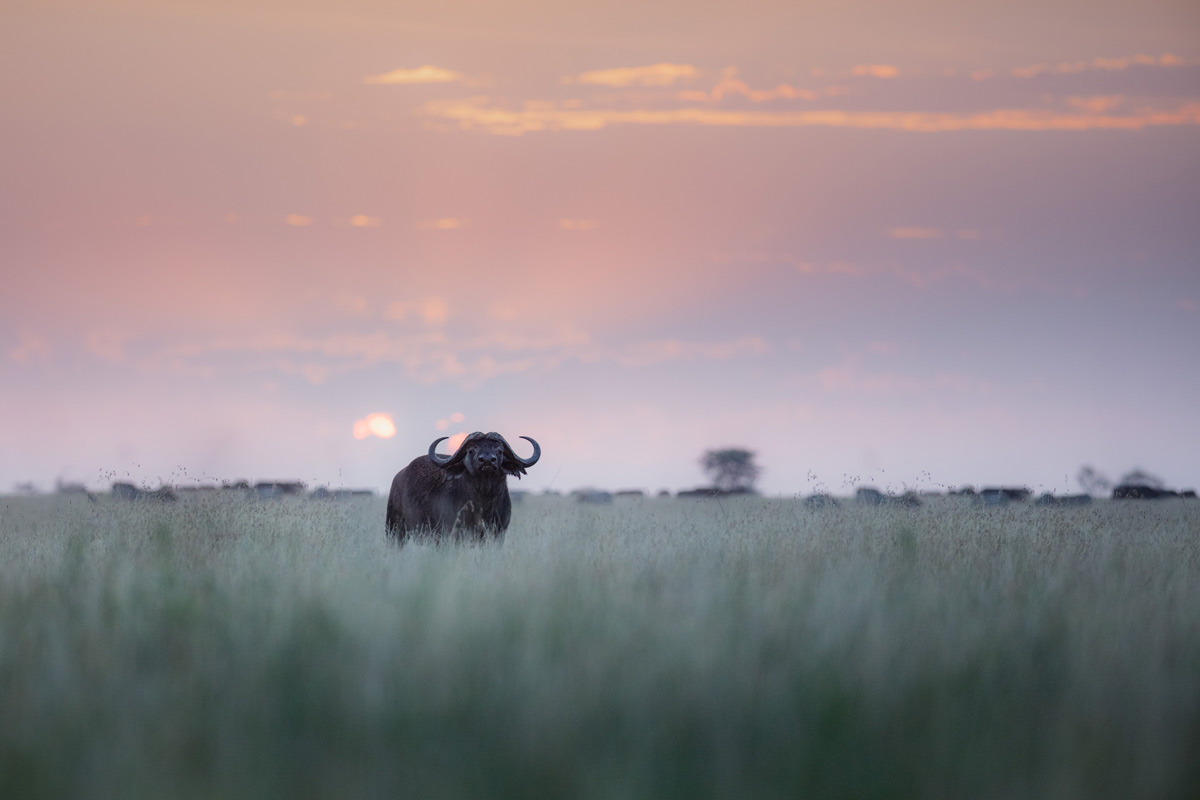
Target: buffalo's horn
{"x": 533, "y": 459}
{"x": 437, "y": 457}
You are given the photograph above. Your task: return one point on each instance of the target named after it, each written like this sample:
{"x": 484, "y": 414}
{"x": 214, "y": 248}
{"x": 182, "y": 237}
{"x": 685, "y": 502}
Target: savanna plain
{"x": 653, "y": 648}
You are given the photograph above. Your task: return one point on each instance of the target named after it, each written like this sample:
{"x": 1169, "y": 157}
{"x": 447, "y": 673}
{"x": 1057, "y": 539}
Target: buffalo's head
{"x": 484, "y": 454}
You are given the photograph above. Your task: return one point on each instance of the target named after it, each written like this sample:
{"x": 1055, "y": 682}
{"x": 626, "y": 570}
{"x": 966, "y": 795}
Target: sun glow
{"x": 380, "y": 425}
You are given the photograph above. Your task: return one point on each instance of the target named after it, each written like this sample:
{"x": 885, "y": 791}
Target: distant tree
{"x": 732, "y": 468}
{"x": 1093, "y": 482}
{"x": 1139, "y": 477}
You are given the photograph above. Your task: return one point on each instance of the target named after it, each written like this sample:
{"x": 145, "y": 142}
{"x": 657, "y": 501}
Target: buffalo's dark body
{"x": 425, "y": 498}
{"x": 464, "y": 496}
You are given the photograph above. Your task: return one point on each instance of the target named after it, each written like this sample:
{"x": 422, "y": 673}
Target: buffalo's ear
{"x": 455, "y": 468}
{"x": 513, "y": 467}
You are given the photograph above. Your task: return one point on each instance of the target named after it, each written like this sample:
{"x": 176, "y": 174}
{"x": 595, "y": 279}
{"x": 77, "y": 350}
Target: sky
{"x": 906, "y": 245}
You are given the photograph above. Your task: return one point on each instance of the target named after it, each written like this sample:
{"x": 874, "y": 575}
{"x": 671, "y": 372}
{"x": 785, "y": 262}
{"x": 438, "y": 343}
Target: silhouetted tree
{"x": 731, "y": 469}
{"x": 1093, "y": 482}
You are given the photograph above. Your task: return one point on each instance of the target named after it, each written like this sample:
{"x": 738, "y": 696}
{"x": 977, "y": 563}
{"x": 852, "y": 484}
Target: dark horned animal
{"x": 464, "y": 495}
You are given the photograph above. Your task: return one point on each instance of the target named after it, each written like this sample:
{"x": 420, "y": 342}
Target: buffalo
{"x": 463, "y": 496}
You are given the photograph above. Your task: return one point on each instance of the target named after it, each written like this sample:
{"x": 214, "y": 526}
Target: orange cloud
{"x": 443, "y": 224}
{"x": 1096, "y": 104}
{"x": 915, "y": 233}
{"x": 435, "y": 311}
{"x": 654, "y": 75}
{"x": 578, "y": 224}
{"x": 475, "y": 114}
{"x": 363, "y": 221}
{"x": 298, "y": 220}
{"x": 425, "y": 74}
{"x": 729, "y": 86}
{"x": 453, "y": 419}
{"x": 1106, "y": 64}
{"x": 380, "y": 425}
{"x": 30, "y": 347}
{"x": 876, "y": 70}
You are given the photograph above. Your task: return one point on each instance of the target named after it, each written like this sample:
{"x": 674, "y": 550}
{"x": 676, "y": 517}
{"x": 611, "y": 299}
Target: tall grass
{"x": 661, "y": 648}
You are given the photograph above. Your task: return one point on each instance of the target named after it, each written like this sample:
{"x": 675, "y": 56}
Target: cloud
{"x": 435, "y": 311}
{"x": 578, "y": 224}
{"x": 1104, "y": 64}
{"x": 1189, "y": 305}
{"x": 298, "y": 220}
{"x": 29, "y": 348}
{"x": 476, "y": 114}
{"x": 453, "y": 419}
{"x": 434, "y": 356}
{"x": 876, "y": 70}
{"x": 729, "y": 85}
{"x": 918, "y": 278}
{"x": 380, "y": 425}
{"x": 915, "y": 233}
{"x": 425, "y": 74}
{"x": 654, "y": 75}
{"x": 1096, "y": 104}
{"x": 363, "y": 221}
{"x": 443, "y": 224}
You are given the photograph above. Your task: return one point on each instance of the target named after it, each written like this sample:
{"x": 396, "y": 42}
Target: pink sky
{"x": 901, "y": 245}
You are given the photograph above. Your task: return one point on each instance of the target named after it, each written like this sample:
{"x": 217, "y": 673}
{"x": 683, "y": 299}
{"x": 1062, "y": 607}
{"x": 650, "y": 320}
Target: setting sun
{"x": 380, "y": 425}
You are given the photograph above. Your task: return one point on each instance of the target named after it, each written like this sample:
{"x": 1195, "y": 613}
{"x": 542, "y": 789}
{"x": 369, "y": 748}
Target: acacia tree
{"x": 732, "y": 469}
{"x": 1092, "y": 481}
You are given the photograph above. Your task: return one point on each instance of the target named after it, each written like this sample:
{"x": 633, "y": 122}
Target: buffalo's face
{"x": 484, "y": 457}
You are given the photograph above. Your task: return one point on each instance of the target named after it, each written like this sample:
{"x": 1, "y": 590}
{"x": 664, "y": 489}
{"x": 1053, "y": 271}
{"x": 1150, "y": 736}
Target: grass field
{"x": 659, "y": 648}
